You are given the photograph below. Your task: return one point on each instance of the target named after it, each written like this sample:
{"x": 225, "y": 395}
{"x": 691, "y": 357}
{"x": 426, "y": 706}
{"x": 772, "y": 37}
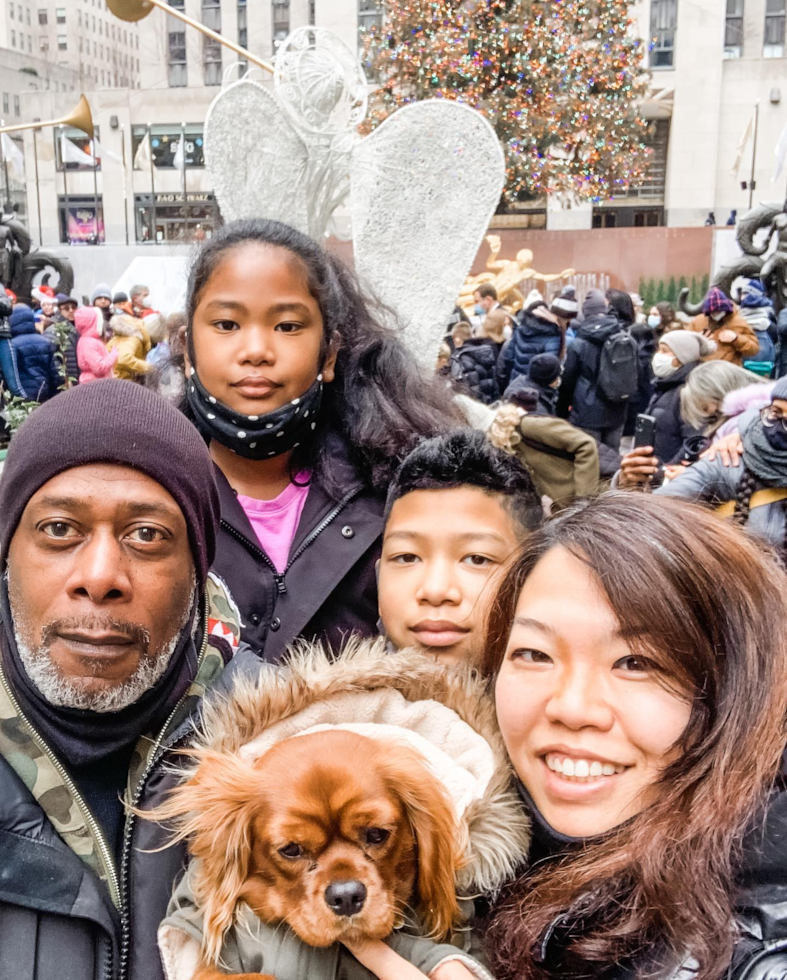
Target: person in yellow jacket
{"x": 131, "y": 340}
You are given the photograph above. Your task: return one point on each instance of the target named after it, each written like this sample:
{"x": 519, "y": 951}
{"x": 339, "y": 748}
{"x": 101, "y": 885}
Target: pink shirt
{"x": 276, "y": 521}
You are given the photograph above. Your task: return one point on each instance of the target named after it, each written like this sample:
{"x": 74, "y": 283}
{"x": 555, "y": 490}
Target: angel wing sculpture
{"x": 422, "y": 187}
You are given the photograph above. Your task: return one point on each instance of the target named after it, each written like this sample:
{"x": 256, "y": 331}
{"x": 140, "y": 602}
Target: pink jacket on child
{"x": 95, "y": 361}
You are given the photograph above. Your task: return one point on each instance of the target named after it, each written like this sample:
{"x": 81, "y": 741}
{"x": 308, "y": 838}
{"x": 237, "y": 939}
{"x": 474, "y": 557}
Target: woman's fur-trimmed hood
{"x": 124, "y": 325}
{"x": 443, "y": 711}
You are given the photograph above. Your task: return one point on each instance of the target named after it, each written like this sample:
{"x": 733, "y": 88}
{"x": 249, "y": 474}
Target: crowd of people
{"x": 260, "y": 518}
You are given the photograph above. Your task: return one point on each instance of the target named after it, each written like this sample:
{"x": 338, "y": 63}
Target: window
{"x": 663, "y": 21}
{"x": 177, "y": 59}
{"x": 773, "y": 42}
{"x": 312, "y": 11}
{"x": 164, "y": 141}
{"x": 19, "y": 12}
{"x": 61, "y": 15}
{"x": 211, "y": 59}
{"x": 79, "y": 18}
{"x": 17, "y": 108}
{"x": 211, "y": 14}
{"x": 62, "y": 42}
{"x": 43, "y": 43}
{"x": 6, "y": 104}
{"x": 370, "y": 14}
{"x": 281, "y": 21}
{"x": 13, "y": 39}
{"x": 43, "y": 19}
{"x": 29, "y": 44}
{"x": 27, "y": 16}
{"x": 243, "y": 29}
{"x": 11, "y": 11}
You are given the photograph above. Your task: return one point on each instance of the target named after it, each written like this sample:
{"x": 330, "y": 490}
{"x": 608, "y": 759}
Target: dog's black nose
{"x": 345, "y": 897}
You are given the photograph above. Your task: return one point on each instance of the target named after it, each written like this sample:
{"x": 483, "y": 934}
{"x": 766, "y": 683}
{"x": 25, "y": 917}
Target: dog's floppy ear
{"x": 213, "y": 810}
{"x": 433, "y": 823}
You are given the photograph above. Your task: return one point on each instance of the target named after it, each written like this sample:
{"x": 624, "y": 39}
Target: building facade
{"x": 150, "y": 86}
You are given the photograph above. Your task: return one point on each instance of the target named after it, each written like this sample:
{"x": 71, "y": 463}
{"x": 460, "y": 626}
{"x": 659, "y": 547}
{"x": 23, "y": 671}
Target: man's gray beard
{"x": 63, "y": 692}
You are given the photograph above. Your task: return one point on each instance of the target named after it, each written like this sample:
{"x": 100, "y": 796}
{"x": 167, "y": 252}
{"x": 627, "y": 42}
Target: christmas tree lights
{"x": 560, "y": 80}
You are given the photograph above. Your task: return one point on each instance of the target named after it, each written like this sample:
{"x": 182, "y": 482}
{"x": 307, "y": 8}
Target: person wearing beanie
{"x": 36, "y": 363}
{"x": 101, "y": 297}
{"x": 562, "y": 459}
{"x": 565, "y": 303}
{"x": 580, "y": 399}
{"x": 61, "y": 332}
{"x": 753, "y": 492}
{"x": 131, "y": 342}
{"x": 95, "y": 361}
{"x": 539, "y": 329}
{"x": 110, "y": 631}
{"x": 544, "y": 374}
{"x": 720, "y": 322}
{"x": 757, "y": 310}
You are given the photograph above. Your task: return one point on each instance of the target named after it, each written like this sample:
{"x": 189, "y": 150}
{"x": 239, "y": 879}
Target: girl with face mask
{"x": 756, "y": 489}
{"x": 307, "y": 403}
{"x": 643, "y": 716}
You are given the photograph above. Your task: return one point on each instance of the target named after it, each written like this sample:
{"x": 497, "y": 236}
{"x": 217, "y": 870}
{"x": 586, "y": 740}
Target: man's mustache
{"x": 95, "y": 624}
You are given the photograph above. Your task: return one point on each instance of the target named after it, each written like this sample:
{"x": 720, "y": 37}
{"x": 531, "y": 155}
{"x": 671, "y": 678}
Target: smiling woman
{"x": 638, "y": 649}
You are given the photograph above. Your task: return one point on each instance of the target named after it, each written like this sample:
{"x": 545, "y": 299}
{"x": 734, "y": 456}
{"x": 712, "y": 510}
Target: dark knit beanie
{"x": 118, "y": 422}
{"x": 544, "y": 369}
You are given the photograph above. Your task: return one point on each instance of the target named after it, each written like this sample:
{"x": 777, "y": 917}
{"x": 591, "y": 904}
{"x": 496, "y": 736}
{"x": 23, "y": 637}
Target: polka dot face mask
{"x": 255, "y": 436}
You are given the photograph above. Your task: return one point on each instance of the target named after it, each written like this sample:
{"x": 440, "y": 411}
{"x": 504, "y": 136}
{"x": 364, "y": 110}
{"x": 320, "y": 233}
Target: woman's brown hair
{"x": 709, "y": 605}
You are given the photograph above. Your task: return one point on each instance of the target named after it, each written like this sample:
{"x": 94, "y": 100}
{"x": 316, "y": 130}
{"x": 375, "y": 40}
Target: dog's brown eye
{"x": 291, "y": 851}
{"x": 376, "y": 835}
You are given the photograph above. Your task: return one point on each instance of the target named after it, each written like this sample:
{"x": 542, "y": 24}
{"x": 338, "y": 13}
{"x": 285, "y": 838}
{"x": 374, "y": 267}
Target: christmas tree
{"x": 560, "y": 80}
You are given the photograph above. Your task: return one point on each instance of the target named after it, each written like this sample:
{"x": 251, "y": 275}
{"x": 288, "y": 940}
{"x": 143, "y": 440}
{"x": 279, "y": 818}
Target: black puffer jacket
{"x": 580, "y": 400}
{"x": 329, "y": 588}
{"x": 57, "y": 919}
{"x": 671, "y": 430}
{"x": 533, "y": 334}
{"x": 473, "y": 369}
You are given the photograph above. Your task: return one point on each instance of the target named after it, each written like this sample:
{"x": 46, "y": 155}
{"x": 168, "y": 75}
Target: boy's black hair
{"x": 465, "y": 458}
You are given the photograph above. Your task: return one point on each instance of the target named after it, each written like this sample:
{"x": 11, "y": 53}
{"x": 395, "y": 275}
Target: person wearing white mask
{"x": 679, "y": 352}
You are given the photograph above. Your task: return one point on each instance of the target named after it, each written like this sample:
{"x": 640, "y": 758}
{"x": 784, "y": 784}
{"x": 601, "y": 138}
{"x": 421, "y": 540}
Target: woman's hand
{"x": 727, "y": 336}
{"x": 386, "y": 964}
{"x": 637, "y": 468}
{"x": 729, "y": 450}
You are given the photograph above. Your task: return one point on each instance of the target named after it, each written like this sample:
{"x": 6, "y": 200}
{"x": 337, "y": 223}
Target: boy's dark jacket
{"x": 329, "y": 590}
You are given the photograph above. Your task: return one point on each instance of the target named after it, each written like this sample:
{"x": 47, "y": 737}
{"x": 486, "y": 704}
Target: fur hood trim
{"x": 124, "y": 325}
{"x": 742, "y": 399}
{"x": 366, "y": 683}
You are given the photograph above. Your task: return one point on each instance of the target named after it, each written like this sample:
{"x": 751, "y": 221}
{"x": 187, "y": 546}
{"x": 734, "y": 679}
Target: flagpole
{"x": 38, "y": 189}
{"x": 65, "y": 180}
{"x": 183, "y": 167}
{"x": 152, "y": 184}
{"x": 95, "y": 188}
{"x": 754, "y": 152}
{"x": 125, "y": 176}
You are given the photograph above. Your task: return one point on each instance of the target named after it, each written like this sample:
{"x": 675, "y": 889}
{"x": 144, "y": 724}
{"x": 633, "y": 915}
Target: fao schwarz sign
{"x": 178, "y": 198}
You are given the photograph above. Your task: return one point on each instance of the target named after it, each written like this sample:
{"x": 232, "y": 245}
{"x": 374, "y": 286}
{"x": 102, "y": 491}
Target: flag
{"x": 70, "y": 153}
{"x": 14, "y": 157}
{"x": 179, "y": 159}
{"x": 742, "y": 142}
{"x": 143, "y": 157}
{"x": 103, "y": 154}
{"x": 781, "y": 153}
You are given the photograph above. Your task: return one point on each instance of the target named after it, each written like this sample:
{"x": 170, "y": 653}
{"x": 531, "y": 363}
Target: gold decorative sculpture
{"x": 506, "y": 275}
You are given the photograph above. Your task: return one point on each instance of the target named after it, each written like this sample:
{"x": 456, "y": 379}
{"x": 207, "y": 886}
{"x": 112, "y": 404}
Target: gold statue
{"x": 506, "y": 275}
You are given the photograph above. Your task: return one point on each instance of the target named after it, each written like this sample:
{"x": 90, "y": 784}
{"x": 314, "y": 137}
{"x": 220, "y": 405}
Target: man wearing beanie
{"x": 110, "y": 630}
{"x": 544, "y": 375}
{"x": 102, "y": 298}
{"x": 582, "y": 400}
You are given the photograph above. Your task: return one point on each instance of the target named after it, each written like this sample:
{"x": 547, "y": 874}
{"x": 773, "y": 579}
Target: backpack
{"x": 617, "y": 370}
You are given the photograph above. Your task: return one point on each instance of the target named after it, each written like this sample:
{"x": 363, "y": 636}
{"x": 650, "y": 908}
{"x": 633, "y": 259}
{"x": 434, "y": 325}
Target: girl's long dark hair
{"x": 709, "y": 605}
{"x": 380, "y": 402}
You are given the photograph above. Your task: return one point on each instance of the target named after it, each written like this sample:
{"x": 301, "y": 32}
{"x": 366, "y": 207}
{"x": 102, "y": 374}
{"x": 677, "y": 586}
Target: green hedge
{"x": 658, "y": 290}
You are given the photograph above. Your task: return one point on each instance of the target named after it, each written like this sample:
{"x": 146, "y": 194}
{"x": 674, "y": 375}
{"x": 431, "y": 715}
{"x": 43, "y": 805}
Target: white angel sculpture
{"x": 421, "y": 188}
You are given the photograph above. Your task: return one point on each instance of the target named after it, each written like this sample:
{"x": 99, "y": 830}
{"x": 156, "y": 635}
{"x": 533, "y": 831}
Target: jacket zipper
{"x": 103, "y": 848}
{"x": 278, "y": 577}
{"x": 127, "y": 830}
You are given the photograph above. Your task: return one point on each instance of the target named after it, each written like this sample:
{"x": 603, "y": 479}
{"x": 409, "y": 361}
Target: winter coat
{"x": 580, "y": 400}
{"x": 60, "y": 911}
{"x": 716, "y": 483}
{"x": 35, "y": 357}
{"x": 329, "y": 588}
{"x": 670, "y": 430}
{"x": 130, "y": 339}
{"x": 532, "y": 335}
{"x": 647, "y": 345}
{"x": 562, "y": 459}
{"x": 95, "y": 361}
{"x": 743, "y": 347}
{"x": 70, "y": 349}
{"x": 445, "y": 713}
{"x": 780, "y": 368}
{"x": 761, "y": 320}
{"x": 473, "y": 369}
